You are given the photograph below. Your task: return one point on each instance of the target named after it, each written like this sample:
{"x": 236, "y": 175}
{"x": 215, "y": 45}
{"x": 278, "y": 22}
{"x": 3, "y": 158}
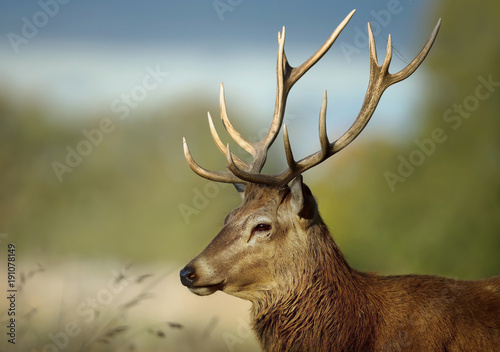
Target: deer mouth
{"x": 206, "y": 289}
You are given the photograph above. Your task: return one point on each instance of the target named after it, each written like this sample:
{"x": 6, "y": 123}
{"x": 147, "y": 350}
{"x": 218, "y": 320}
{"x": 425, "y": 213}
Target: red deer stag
{"x": 276, "y": 251}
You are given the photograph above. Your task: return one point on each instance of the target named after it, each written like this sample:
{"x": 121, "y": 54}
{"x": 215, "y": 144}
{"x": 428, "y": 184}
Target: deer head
{"x": 277, "y": 232}
{"x": 257, "y": 242}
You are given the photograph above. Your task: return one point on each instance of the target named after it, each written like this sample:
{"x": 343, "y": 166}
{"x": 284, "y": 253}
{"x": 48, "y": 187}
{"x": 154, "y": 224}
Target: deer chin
{"x": 206, "y": 290}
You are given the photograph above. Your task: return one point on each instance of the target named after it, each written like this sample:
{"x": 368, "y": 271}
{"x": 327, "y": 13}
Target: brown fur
{"x": 305, "y": 296}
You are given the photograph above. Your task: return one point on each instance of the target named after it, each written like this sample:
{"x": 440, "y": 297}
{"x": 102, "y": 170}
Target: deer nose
{"x": 187, "y": 276}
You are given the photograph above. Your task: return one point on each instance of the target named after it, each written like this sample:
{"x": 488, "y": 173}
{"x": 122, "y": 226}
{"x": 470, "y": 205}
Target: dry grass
{"x": 86, "y": 306}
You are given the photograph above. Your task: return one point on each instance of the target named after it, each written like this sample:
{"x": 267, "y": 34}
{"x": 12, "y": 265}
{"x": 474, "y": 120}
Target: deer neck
{"x": 325, "y": 304}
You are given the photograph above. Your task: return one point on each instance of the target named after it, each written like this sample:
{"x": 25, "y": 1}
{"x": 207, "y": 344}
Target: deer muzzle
{"x": 195, "y": 284}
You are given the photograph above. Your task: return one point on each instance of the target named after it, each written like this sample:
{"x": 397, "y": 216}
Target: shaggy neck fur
{"x": 301, "y": 314}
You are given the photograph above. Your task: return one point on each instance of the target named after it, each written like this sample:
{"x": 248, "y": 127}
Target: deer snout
{"x": 188, "y": 276}
{"x": 195, "y": 277}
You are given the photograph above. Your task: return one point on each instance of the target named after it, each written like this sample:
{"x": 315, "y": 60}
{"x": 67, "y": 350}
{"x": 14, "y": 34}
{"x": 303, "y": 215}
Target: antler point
{"x": 281, "y": 35}
{"x": 187, "y": 154}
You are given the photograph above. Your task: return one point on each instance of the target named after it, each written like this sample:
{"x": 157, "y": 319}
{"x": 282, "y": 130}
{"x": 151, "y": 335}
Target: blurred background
{"x": 95, "y": 193}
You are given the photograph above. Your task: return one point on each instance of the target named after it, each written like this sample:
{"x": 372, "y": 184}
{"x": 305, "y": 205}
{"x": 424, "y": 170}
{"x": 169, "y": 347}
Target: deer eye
{"x": 261, "y": 228}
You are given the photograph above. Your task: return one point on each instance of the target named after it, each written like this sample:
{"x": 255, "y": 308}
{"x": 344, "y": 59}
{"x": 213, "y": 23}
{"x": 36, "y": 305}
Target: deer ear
{"x": 301, "y": 199}
{"x": 240, "y": 187}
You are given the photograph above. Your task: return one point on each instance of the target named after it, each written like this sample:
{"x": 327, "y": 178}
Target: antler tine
{"x": 323, "y": 136}
{"x": 282, "y": 69}
{"x": 299, "y": 71}
{"x": 215, "y": 135}
{"x": 376, "y": 86}
{"x": 226, "y": 177}
{"x": 242, "y": 142}
{"x": 288, "y": 149}
{"x": 415, "y": 63}
{"x": 219, "y": 143}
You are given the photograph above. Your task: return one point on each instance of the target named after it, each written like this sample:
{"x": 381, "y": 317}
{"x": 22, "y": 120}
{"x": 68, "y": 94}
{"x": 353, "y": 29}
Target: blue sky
{"x": 80, "y": 55}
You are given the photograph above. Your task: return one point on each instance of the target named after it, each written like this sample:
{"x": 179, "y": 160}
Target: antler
{"x": 240, "y": 171}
